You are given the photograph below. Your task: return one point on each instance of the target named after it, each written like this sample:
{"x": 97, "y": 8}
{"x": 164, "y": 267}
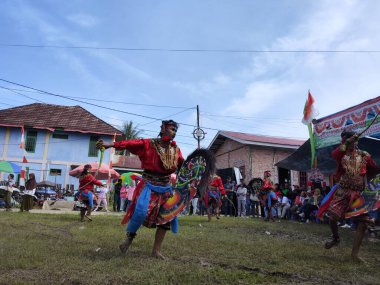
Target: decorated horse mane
{"x": 209, "y": 167}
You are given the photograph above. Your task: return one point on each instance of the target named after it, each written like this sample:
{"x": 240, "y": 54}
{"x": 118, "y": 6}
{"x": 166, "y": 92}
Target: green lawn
{"x": 58, "y": 249}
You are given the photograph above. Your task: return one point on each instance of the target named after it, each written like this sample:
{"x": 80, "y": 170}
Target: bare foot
{"x": 158, "y": 255}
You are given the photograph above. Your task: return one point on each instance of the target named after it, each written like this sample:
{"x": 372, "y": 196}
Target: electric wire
{"x": 26, "y": 96}
{"x": 107, "y": 101}
{"x": 92, "y": 104}
{"x": 186, "y": 50}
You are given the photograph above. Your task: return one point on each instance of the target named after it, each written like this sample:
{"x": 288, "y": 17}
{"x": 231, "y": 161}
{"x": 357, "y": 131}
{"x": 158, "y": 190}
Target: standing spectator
{"x": 123, "y": 197}
{"x": 228, "y": 203}
{"x": 116, "y": 195}
{"x": 255, "y": 203}
{"x": 102, "y": 198}
{"x": 272, "y": 201}
{"x": 130, "y": 190}
{"x": 30, "y": 189}
{"x": 8, "y": 195}
{"x": 194, "y": 203}
{"x": 248, "y": 202}
{"x": 241, "y": 194}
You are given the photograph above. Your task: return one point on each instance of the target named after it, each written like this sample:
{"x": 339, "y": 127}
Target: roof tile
{"x": 46, "y": 116}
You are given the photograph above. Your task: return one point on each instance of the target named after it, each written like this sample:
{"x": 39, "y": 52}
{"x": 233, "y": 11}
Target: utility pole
{"x": 198, "y": 133}
{"x": 198, "y": 138}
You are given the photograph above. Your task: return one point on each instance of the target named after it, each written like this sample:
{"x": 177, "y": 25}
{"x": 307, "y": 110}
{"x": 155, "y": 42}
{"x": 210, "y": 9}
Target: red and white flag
{"x": 22, "y": 145}
{"x": 309, "y": 112}
{"x": 112, "y": 152}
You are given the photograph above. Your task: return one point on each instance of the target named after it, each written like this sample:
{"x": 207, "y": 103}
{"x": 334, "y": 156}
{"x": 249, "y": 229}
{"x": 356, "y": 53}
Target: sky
{"x": 247, "y": 64}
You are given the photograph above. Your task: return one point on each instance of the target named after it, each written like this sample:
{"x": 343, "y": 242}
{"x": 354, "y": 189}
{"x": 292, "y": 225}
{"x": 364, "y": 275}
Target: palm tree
{"x": 129, "y": 132}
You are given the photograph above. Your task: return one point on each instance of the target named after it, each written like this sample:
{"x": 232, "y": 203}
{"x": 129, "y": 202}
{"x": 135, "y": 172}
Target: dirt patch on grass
{"x": 60, "y": 230}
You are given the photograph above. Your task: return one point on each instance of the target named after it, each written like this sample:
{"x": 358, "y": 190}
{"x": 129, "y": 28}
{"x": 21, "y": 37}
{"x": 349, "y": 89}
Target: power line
{"x": 108, "y": 101}
{"x": 188, "y": 50}
{"x": 92, "y": 104}
{"x": 250, "y": 118}
{"x": 26, "y": 96}
{"x": 167, "y": 117}
{"x": 99, "y": 106}
{"x": 98, "y": 100}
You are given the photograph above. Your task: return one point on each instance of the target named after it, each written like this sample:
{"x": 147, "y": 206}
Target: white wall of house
{"x": 51, "y": 156}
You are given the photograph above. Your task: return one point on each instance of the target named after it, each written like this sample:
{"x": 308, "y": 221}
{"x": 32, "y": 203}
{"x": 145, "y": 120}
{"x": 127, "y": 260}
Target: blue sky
{"x": 253, "y": 92}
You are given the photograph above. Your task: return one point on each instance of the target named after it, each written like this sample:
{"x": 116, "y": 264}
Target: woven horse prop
{"x": 194, "y": 175}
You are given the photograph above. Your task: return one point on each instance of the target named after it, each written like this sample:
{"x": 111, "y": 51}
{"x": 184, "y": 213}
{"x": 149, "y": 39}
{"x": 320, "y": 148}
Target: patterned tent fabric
{"x": 300, "y": 159}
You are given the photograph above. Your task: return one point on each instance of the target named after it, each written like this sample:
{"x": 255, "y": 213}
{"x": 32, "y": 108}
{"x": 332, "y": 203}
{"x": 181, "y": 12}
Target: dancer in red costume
{"x": 267, "y": 196}
{"x": 159, "y": 158}
{"x": 214, "y": 196}
{"x": 353, "y": 165}
{"x": 86, "y": 191}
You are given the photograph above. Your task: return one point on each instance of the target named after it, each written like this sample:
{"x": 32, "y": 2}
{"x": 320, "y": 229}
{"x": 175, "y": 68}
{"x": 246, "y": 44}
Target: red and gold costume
{"x": 87, "y": 182}
{"x": 158, "y": 164}
{"x": 351, "y": 171}
{"x": 353, "y": 166}
{"x": 86, "y": 189}
{"x": 215, "y": 191}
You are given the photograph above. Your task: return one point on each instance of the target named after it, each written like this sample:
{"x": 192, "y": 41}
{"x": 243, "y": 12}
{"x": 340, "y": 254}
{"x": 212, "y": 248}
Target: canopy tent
{"x": 101, "y": 174}
{"x": 300, "y": 160}
{"x": 327, "y": 132}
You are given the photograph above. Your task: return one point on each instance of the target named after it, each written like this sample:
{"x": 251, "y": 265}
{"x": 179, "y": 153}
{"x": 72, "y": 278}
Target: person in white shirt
{"x": 241, "y": 193}
{"x": 8, "y": 195}
{"x": 284, "y": 205}
{"x": 102, "y": 198}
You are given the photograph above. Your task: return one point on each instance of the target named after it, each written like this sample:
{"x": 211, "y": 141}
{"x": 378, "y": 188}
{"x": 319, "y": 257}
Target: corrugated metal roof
{"x": 251, "y": 139}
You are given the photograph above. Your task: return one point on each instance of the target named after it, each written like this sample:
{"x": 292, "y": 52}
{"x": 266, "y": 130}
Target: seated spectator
{"x": 313, "y": 204}
{"x": 298, "y": 202}
{"x": 283, "y": 205}
{"x": 286, "y": 190}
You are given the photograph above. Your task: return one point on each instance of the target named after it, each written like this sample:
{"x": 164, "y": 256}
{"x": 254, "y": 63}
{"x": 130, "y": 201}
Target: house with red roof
{"x": 254, "y": 154}
{"x": 57, "y": 139}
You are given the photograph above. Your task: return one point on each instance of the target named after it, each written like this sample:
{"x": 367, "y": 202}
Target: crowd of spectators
{"x": 291, "y": 203}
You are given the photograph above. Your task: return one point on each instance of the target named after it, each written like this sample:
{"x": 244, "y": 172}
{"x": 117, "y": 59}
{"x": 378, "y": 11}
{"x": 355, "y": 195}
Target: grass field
{"x": 58, "y": 249}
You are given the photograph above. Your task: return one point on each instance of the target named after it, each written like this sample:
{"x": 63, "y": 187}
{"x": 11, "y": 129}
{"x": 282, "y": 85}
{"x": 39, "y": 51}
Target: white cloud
{"x": 280, "y": 81}
{"x": 83, "y": 20}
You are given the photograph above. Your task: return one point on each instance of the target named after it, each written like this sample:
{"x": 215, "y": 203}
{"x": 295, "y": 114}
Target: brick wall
{"x": 254, "y": 160}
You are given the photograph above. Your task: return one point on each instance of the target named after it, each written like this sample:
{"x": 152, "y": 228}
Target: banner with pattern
{"x": 328, "y": 129}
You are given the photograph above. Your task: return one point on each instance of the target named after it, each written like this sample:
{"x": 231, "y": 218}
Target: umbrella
{"x": 100, "y": 174}
{"x": 46, "y": 184}
{"x": 9, "y": 167}
{"x": 128, "y": 177}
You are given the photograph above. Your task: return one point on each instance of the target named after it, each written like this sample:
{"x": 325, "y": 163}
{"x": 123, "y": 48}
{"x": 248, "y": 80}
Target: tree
{"x": 129, "y": 132}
